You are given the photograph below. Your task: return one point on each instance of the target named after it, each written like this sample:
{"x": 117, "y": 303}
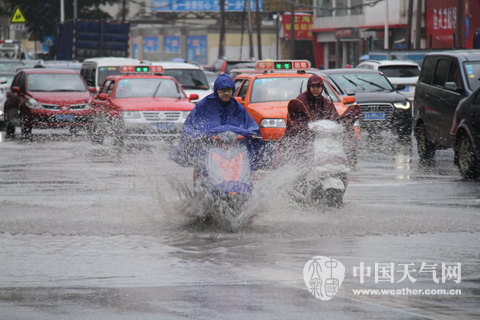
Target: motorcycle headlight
{"x": 33, "y": 104}
{"x": 272, "y": 123}
{"x": 131, "y": 114}
{"x": 402, "y": 105}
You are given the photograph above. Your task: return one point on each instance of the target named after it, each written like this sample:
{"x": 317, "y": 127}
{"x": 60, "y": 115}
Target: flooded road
{"x": 93, "y": 232}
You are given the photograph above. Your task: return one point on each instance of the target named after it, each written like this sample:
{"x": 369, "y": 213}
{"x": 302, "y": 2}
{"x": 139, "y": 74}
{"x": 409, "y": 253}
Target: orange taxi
{"x": 266, "y": 95}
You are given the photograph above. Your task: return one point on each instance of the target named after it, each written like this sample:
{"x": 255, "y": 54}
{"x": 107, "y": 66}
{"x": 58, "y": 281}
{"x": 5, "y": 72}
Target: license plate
{"x": 374, "y": 116}
{"x": 65, "y": 117}
{"x": 163, "y": 126}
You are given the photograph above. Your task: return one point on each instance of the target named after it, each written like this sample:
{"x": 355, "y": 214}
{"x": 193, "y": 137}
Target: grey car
{"x": 445, "y": 79}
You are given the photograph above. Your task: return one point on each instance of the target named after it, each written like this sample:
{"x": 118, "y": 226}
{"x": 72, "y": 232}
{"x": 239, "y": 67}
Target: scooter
{"x": 222, "y": 178}
{"x": 324, "y": 179}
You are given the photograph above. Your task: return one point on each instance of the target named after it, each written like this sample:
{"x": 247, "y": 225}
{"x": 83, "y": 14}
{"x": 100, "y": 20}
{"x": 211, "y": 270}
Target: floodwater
{"x": 96, "y": 232}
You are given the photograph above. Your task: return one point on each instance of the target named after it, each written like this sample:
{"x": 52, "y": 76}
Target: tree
{"x": 43, "y": 15}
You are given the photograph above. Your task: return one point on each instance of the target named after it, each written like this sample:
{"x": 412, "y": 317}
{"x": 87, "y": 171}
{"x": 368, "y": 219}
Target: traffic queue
{"x": 45, "y": 96}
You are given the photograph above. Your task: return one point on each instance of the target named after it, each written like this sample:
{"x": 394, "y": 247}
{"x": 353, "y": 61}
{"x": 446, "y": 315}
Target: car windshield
{"x": 472, "y": 70}
{"x": 400, "y": 71}
{"x": 189, "y": 78}
{"x": 148, "y": 87}
{"x": 362, "y": 82}
{"x": 55, "y": 82}
{"x": 283, "y": 88}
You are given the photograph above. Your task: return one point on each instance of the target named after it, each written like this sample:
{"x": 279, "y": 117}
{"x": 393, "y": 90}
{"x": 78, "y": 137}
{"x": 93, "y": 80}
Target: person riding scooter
{"x": 311, "y": 106}
{"x": 215, "y": 113}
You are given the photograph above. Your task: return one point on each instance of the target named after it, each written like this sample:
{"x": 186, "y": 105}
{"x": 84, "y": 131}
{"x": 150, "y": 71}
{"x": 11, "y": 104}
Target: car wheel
{"x": 25, "y": 127}
{"x": 468, "y": 164}
{"x": 9, "y": 129}
{"x": 426, "y": 149}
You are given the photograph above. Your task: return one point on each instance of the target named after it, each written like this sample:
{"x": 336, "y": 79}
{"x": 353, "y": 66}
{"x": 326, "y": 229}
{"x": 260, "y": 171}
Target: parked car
{"x": 382, "y": 108}
{"x": 466, "y": 136}
{"x": 445, "y": 79}
{"x": 46, "y": 98}
{"x": 403, "y": 74}
{"x": 12, "y": 49}
{"x": 190, "y": 76}
{"x": 139, "y": 104}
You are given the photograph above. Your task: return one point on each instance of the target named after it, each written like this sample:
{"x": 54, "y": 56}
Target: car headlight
{"x": 33, "y": 104}
{"x": 272, "y": 123}
{"x": 131, "y": 114}
{"x": 402, "y": 105}
{"x": 184, "y": 114}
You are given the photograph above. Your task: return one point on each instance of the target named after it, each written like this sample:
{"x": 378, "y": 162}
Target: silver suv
{"x": 399, "y": 72}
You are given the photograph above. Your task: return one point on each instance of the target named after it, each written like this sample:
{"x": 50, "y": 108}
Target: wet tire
{"x": 333, "y": 197}
{"x": 426, "y": 149}
{"x": 468, "y": 164}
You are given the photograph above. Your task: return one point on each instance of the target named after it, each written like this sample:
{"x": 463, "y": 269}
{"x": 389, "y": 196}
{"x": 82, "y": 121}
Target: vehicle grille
{"x": 78, "y": 106}
{"x": 387, "y": 108}
{"x": 51, "y": 106}
{"x": 155, "y": 116}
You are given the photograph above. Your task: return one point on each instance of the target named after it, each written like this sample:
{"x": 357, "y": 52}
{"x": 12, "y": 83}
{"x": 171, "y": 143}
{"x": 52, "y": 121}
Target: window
{"x": 244, "y": 89}
{"x": 427, "y": 70}
{"x": 357, "y": 7}
{"x": 103, "y": 89}
{"x": 441, "y": 72}
{"x": 340, "y": 6}
{"x": 324, "y": 8}
{"x": 455, "y": 76}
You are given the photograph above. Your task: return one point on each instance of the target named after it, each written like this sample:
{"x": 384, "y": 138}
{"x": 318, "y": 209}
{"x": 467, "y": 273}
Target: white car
{"x": 5, "y": 82}
{"x": 190, "y": 76}
{"x": 399, "y": 72}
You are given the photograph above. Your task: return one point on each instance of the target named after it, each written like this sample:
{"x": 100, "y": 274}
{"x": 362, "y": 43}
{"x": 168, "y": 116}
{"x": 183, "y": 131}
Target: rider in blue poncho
{"x": 216, "y": 113}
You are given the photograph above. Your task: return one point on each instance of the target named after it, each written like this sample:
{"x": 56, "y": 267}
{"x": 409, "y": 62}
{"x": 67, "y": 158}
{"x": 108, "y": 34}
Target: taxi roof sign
{"x": 141, "y": 69}
{"x": 17, "y": 16}
{"x": 283, "y": 65}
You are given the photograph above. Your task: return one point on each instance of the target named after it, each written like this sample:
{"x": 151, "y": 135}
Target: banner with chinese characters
{"x": 202, "y": 5}
{"x": 303, "y": 25}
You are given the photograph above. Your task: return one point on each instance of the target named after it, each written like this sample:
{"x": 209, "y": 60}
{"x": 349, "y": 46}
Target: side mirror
{"x": 451, "y": 86}
{"x": 400, "y": 87}
{"x": 16, "y": 90}
{"x": 102, "y": 96}
{"x": 239, "y": 99}
{"x": 348, "y": 100}
{"x": 350, "y": 92}
{"x": 193, "y": 96}
{"x": 92, "y": 89}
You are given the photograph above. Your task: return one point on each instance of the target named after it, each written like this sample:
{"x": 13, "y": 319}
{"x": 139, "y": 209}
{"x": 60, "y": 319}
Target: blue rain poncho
{"x": 210, "y": 117}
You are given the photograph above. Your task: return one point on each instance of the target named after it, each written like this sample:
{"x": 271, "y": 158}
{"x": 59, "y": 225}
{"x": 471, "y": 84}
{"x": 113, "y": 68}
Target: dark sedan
{"x": 466, "y": 136}
{"x": 382, "y": 107}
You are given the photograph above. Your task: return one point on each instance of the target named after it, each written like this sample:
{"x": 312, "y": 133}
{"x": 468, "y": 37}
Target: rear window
{"x": 400, "y": 71}
{"x": 189, "y": 78}
{"x": 472, "y": 73}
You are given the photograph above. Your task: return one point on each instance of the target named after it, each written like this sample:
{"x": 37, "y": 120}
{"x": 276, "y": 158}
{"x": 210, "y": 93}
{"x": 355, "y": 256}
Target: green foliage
{"x": 43, "y": 15}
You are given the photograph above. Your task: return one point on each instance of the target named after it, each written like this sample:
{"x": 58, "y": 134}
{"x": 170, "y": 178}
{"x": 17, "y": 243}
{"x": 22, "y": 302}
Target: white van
{"x": 95, "y": 70}
{"x": 190, "y": 76}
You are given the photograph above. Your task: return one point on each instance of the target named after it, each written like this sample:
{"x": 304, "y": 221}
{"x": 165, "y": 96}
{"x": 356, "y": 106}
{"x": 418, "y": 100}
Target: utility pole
{"x": 409, "y": 24}
{"x": 250, "y": 36}
{"x": 75, "y": 16}
{"x": 221, "y": 45}
{"x": 418, "y": 24}
{"x": 385, "y": 37}
{"x": 62, "y": 11}
{"x": 124, "y": 8}
{"x": 458, "y": 32}
{"x": 259, "y": 29}
{"x": 292, "y": 31}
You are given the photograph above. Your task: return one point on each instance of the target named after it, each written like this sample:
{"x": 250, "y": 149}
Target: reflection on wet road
{"x": 93, "y": 232}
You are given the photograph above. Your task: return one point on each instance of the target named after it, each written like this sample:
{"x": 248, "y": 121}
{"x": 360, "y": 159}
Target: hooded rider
{"x": 216, "y": 113}
{"x": 309, "y": 106}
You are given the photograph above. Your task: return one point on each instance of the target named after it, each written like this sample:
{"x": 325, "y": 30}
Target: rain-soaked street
{"x": 92, "y": 232}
